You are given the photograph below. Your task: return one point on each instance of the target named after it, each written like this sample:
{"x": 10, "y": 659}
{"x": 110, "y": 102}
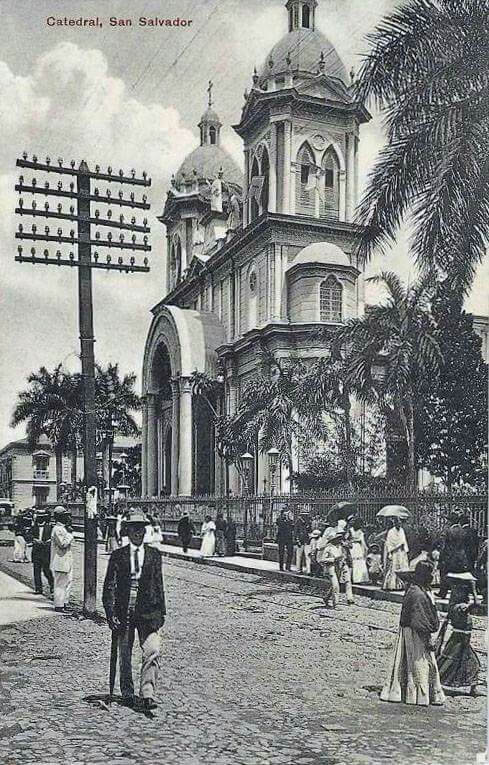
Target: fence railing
{"x": 255, "y": 516}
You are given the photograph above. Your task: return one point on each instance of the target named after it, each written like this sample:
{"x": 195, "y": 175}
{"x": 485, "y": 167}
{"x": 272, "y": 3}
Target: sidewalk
{"x": 270, "y": 569}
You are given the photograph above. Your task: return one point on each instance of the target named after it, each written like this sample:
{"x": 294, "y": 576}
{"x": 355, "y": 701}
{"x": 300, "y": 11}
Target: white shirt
{"x": 40, "y": 531}
{"x": 132, "y": 552}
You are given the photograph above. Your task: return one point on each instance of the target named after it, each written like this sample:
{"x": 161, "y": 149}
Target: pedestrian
{"x": 185, "y": 530}
{"x": 157, "y": 533}
{"x": 314, "y": 567}
{"x": 61, "y": 557}
{"x": 302, "y": 531}
{"x": 374, "y": 564}
{"x": 458, "y": 663}
{"x": 435, "y": 559}
{"x": 395, "y": 556}
{"x": 332, "y": 557}
{"x": 149, "y": 530}
{"x": 111, "y": 542}
{"x": 453, "y": 556}
{"x": 470, "y": 542}
{"x": 41, "y": 551}
{"x": 220, "y": 534}
{"x": 20, "y": 542}
{"x": 230, "y": 537}
{"x": 285, "y": 540}
{"x": 413, "y": 676}
{"x": 134, "y": 600}
{"x": 208, "y": 534}
{"x": 359, "y": 550}
{"x": 481, "y": 571}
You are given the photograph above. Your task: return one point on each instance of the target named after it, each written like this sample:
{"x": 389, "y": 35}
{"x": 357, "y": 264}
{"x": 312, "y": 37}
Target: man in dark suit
{"x": 41, "y": 551}
{"x": 185, "y": 530}
{"x": 285, "y": 540}
{"x": 471, "y": 542}
{"x": 453, "y": 558}
{"x": 134, "y": 599}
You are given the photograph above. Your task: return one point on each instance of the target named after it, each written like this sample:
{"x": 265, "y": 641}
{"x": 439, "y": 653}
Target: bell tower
{"x": 210, "y": 125}
{"x": 302, "y": 14}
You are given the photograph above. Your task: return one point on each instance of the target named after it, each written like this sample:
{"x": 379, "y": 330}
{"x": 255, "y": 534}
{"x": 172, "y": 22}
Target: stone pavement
{"x": 254, "y": 672}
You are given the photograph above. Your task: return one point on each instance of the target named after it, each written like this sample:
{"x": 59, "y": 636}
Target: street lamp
{"x": 246, "y": 461}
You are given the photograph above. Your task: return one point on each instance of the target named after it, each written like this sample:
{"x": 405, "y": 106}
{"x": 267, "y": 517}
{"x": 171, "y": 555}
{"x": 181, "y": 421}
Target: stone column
{"x": 144, "y": 447}
{"x": 287, "y": 167}
{"x": 342, "y": 195}
{"x": 272, "y": 192}
{"x": 152, "y": 450}
{"x": 355, "y": 182}
{"x": 232, "y": 407}
{"x": 350, "y": 176}
{"x": 186, "y": 446}
{"x": 279, "y": 275}
{"x": 246, "y": 204}
{"x": 175, "y": 434}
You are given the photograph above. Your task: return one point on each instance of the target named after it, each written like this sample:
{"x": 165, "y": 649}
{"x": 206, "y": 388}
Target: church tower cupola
{"x": 210, "y": 125}
{"x": 302, "y": 14}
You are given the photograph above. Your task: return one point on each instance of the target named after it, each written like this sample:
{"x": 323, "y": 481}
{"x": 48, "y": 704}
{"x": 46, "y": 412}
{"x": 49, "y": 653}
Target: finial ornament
{"x": 209, "y": 91}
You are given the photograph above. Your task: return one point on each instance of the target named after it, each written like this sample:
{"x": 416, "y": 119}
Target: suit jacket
{"x": 285, "y": 531}
{"x": 185, "y": 528}
{"x": 41, "y": 547}
{"x": 471, "y": 544}
{"x": 61, "y": 555}
{"x": 150, "y": 608}
{"x": 453, "y": 557}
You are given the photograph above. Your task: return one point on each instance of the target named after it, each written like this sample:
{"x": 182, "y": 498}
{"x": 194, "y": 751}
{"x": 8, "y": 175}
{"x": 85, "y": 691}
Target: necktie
{"x": 136, "y": 561}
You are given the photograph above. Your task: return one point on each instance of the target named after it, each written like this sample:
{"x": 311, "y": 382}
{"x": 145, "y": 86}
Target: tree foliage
{"x": 427, "y": 71}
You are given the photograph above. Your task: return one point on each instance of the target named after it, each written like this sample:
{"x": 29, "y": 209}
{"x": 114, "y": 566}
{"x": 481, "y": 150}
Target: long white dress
{"x": 395, "y": 558}
{"x": 208, "y": 533}
{"x": 358, "y": 557}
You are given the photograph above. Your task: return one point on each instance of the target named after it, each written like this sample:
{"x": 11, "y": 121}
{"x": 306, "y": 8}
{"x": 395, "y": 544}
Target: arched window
{"x": 330, "y": 203}
{"x": 296, "y": 16}
{"x": 306, "y": 16}
{"x": 173, "y": 267}
{"x": 212, "y": 134}
{"x": 254, "y": 207}
{"x": 304, "y": 187}
{"x": 178, "y": 272}
{"x": 265, "y": 171}
{"x": 331, "y": 300}
{"x": 290, "y": 21}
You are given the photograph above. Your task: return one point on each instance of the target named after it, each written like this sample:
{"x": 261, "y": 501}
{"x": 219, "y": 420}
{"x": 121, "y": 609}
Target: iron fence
{"x": 255, "y": 516}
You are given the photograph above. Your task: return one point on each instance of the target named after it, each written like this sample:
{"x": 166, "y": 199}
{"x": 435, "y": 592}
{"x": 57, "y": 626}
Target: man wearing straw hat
{"x": 134, "y": 600}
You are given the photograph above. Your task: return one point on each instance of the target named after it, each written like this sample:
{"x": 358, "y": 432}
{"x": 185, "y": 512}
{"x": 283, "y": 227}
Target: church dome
{"x": 207, "y": 160}
{"x": 304, "y": 47}
{"x": 323, "y": 253}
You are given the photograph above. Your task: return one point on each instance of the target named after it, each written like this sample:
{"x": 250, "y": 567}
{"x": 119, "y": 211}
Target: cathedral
{"x": 257, "y": 261}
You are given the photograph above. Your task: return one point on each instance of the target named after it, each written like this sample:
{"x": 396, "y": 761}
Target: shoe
{"x": 149, "y": 704}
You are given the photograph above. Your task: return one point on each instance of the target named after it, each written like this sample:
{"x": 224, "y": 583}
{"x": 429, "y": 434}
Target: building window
{"x": 328, "y": 178}
{"x": 213, "y": 134}
{"x": 330, "y": 203}
{"x": 253, "y": 281}
{"x": 331, "y": 300}
{"x": 304, "y": 192}
{"x": 296, "y": 17}
{"x": 306, "y": 17}
{"x": 305, "y": 173}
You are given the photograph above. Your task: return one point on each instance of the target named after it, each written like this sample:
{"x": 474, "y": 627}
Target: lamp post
{"x": 273, "y": 455}
{"x": 246, "y": 461}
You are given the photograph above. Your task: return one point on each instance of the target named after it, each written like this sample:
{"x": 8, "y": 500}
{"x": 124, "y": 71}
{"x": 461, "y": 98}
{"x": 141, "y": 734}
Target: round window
{"x": 252, "y": 281}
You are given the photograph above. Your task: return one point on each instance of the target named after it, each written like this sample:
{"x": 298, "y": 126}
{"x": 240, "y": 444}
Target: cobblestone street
{"x": 253, "y": 672}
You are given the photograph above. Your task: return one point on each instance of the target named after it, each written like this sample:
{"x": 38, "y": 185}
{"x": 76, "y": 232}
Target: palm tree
{"x": 51, "y": 407}
{"x": 427, "y": 71}
{"x": 399, "y": 338}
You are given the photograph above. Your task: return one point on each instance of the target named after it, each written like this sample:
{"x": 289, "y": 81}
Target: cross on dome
{"x": 210, "y": 124}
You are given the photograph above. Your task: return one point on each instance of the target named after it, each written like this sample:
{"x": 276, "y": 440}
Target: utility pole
{"x": 84, "y": 261}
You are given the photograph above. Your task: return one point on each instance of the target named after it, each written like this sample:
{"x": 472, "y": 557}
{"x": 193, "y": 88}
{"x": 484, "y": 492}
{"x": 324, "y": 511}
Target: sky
{"x": 132, "y": 97}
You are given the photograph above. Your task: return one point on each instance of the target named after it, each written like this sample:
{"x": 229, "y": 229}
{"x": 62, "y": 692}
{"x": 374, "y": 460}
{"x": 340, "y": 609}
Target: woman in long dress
{"x": 208, "y": 534}
{"x": 358, "y": 553}
{"x": 395, "y": 556}
{"x": 413, "y": 673}
{"x": 457, "y": 661}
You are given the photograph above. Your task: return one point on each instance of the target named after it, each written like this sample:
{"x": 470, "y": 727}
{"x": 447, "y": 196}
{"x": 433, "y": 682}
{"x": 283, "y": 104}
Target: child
{"x": 458, "y": 663}
{"x": 374, "y": 564}
{"x": 435, "y": 557}
{"x": 315, "y": 567}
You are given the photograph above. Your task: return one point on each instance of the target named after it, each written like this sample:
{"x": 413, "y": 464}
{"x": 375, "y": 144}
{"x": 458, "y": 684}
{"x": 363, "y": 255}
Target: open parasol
{"x": 343, "y": 510}
{"x": 394, "y": 511}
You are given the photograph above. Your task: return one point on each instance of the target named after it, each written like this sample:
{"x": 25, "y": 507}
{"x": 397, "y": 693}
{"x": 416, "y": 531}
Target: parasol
{"x": 394, "y": 511}
{"x": 343, "y": 510}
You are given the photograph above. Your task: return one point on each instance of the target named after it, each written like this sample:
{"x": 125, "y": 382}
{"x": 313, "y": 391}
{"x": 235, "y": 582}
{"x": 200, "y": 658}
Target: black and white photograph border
{"x": 244, "y": 412}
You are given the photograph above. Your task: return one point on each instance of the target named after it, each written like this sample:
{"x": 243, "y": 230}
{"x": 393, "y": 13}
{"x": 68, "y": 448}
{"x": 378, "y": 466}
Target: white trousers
{"x": 302, "y": 555}
{"x": 150, "y": 647}
{"x": 62, "y": 587}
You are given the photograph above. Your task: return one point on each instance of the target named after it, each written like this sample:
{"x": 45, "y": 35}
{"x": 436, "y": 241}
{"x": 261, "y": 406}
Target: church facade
{"x": 257, "y": 261}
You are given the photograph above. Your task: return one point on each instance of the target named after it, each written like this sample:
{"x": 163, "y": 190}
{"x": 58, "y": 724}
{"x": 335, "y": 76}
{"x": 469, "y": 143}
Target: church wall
{"x": 303, "y": 294}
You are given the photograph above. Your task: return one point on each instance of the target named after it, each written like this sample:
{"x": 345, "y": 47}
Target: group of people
{"x": 113, "y": 527}
{"x": 52, "y": 556}
{"x": 218, "y": 537}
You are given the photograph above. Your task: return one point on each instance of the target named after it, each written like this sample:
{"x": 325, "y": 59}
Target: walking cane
{"x": 113, "y": 664}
